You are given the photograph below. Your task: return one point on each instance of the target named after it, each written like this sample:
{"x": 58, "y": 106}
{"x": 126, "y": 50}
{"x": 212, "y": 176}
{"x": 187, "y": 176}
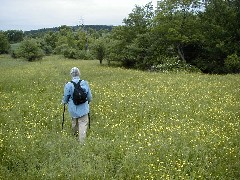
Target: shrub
{"x": 61, "y": 49}
{"x": 14, "y": 50}
{"x": 30, "y": 50}
{"x": 82, "y": 54}
{"x": 174, "y": 64}
{"x": 72, "y": 53}
{"x": 46, "y": 47}
{"x": 232, "y": 63}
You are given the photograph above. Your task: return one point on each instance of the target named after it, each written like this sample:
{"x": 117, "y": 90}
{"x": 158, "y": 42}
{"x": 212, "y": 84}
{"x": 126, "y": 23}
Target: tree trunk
{"x": 180, "y": 53}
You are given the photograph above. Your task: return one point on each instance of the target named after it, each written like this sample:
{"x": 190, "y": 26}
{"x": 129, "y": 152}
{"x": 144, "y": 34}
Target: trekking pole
{"x": 89, "y": 120}
{"x": 63, "y": 116}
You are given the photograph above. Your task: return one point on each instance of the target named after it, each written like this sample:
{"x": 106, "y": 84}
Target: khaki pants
{"x": 79, "y": 126}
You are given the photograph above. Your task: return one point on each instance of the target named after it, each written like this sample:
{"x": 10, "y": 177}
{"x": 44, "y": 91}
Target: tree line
{"x": 200, "y": 35}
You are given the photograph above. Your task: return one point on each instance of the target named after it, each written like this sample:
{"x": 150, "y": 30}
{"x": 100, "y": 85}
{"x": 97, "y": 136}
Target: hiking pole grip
{"x": 63, "y": 116}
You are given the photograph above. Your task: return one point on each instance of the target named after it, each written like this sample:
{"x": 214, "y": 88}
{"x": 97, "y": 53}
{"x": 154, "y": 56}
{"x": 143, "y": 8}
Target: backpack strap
{"x": 75, "y": 84}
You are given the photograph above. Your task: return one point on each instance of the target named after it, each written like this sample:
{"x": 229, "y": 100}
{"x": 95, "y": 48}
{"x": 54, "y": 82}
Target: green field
{"x": 144, "y": 125}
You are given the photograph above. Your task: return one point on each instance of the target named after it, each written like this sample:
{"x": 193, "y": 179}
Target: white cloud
{"x": 35, "y": 14}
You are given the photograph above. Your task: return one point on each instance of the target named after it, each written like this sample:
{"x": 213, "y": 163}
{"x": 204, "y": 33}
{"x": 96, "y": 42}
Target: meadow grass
{"x": 144, "y": 125}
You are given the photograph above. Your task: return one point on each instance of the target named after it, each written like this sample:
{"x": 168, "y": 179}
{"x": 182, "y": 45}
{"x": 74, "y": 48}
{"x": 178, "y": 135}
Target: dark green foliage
{"x": 99, "y": 49}
{"x": 232, "y": 63}
{"x": 73, "y": 45}
{"x": 30, "y": 50}
{"x": 220, "y": 29}
{"x": 39, "y": 32}
{"x": 4, "y": 43}
{"x": 49, "y": 42}
{"x": 13, "y": 50}
{"x": 131, "y": 42}
{"x": 72, "y": 53}
{"x": 14, "y": 36}
{"x": 205, "y": 35}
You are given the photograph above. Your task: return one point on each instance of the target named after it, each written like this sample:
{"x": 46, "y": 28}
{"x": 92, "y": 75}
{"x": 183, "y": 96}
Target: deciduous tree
{"x": 4, "y": 43}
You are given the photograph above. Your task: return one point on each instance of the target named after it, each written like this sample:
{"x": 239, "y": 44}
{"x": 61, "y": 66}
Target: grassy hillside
{"x": 143, "y": 125}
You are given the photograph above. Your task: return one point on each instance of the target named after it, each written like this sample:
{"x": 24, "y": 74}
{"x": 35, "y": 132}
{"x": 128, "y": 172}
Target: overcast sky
{"x": 36, "y": 14}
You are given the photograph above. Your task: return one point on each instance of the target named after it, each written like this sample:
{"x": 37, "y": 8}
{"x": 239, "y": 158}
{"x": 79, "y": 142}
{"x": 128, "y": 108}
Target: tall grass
{"x": 143, "y": 125}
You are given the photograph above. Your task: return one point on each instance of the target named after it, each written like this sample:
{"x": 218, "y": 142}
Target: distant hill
{"x": 55, "y": 29}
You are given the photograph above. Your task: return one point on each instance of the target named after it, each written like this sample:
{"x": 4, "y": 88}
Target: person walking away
{"x": 79, "y": 113}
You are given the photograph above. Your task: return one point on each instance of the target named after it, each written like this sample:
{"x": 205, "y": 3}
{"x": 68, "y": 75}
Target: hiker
{"x": 79, "y": 113}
